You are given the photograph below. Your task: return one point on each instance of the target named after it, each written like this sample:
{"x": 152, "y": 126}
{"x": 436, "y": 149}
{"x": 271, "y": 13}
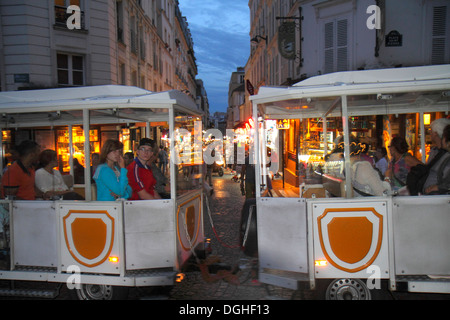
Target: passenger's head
{"x": 381, "y": 152}
{"x": 145, "y": 150}
{"x": 146, "y": 142}
{"x": 110, "y": 145}
{"x": 28, "y": 149}
{"x": 95, "y": 158}
{"x": 439, "y": 125}
{"x": 437, "y": 129}
{"x": 128, "y": 157}
{"x": 399, "y": 145}
{"x": 446, "y": 138}
{"x": 47, "y": 156}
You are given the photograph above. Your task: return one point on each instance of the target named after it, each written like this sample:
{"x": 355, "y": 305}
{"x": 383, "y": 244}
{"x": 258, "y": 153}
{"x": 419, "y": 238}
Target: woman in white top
{"x": 49, "y": 181}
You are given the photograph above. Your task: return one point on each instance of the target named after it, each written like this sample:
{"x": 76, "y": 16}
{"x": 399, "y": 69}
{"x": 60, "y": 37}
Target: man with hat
{"x": 140, "y": 176}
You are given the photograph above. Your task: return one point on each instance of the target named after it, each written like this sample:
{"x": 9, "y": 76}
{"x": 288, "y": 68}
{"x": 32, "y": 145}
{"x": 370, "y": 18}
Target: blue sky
{"x": 220, "y": 30}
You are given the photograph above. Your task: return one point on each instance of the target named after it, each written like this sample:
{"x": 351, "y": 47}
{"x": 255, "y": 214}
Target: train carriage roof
{"x": 382, "y": 91}
{"x": 108, "y": 103}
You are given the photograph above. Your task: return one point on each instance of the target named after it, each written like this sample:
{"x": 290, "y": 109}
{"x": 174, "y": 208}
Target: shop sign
{"x": 283, "y": 124}
{"x": 21, "y": 78}
{"x": 394, "y": 39}
{"x": 286, "y": 40}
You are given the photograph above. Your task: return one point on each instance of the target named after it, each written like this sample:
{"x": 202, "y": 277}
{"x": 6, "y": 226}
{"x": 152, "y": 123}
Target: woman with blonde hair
{"x": 111, "y": 174}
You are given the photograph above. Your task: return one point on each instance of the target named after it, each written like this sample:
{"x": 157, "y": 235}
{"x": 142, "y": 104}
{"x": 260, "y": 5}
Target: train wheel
{"x": 347, "y": 289}
{"x": 101, "y": 292}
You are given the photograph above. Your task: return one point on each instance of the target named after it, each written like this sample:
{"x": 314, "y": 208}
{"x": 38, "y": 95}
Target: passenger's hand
{"x": 121, "y": 161}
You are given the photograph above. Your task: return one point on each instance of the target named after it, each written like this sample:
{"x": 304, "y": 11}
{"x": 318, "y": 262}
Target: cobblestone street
{"x": 225, "y": 207}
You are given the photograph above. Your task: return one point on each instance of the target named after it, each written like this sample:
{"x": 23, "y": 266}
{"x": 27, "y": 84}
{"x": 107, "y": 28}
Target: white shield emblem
{"x": 89, "y": 236}
{"x": 350, "y": 238}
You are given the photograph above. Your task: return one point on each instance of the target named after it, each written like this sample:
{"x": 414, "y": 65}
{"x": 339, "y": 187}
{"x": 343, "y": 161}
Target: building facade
{"x": 144, "y": 43}
{"x": 344, "y": 35}
{"x": 236, "y": 98}
{"x": 294, "y": 40}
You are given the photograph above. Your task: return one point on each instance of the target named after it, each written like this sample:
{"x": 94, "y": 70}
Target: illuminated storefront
{"x": 59, "y": 139}
{"x": 302, "y": 140}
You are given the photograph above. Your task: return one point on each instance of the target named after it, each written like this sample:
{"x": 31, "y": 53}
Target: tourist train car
{"x": 100, "y": 248}
{"x": 315, "y": 229}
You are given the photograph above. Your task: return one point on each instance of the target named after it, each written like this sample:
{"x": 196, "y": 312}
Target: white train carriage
{"x": 102, "y": 247}
{"x": 325, "y": 234}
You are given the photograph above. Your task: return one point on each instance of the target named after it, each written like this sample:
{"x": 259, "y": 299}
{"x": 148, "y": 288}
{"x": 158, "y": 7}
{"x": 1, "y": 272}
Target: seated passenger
{"x": 382, "y": 163}
{"x": 128, "y": 157}
{"x": 78, "y": 172}
{"x": 365, "y": 179}
{"x": 401, "y": 163}
{"x": 140, "y": 175}
{"x": 19, "y": 179}
{"x": 438, "y": 180}
{"x": 437, "y": 131}
{"x": 111, "y": 175}
{"x": 50, "y": 181}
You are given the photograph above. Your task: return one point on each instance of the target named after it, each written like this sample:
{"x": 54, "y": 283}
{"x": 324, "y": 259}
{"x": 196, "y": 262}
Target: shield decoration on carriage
{"x": 89, "y": 236}
{"x": 350, "y": 238}
{"x": 188, "y": 222}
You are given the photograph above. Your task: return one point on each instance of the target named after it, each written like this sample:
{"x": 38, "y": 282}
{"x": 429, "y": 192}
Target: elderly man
{"x": 439, "y": 161}
{"x": 437, "y": 129}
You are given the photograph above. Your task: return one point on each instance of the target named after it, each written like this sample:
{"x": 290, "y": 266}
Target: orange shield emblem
{"x": 189, "y": 222}
{"x": 89, "y": 236}
{"x": 350, "y": 238}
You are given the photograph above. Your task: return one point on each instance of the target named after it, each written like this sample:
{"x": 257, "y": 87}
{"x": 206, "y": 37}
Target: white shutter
{"x": 329, "y": 47}
{"x": 336, "y": 46}
{"x": 342, "y": 45}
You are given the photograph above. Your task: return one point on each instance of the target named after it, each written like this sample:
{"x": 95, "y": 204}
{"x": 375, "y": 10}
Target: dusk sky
{"x": 220, "y": 30}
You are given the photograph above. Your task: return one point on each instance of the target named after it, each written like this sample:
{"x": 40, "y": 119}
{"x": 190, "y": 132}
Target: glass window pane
{"x": 188, "y": 154}
{"x": 63, "y": 77}
{"x": 77, "y": 78}
{"x": 62, "y": 61}
{"x": 77, "y": 63}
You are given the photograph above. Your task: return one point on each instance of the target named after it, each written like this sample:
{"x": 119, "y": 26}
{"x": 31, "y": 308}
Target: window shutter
{"x": 439, "y": 35}
{"x": 342, "y": 45}
{"x": 329, "y": 47}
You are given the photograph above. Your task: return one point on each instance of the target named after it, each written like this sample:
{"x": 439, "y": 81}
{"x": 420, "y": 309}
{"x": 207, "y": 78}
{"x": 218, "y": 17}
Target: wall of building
{"x": 125, "y": 42}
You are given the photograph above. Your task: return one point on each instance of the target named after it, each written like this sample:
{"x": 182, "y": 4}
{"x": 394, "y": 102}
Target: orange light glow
{"x": 320, "y": 263}
{"x": 179, "y": 277}
{"x": 113, "y": 259}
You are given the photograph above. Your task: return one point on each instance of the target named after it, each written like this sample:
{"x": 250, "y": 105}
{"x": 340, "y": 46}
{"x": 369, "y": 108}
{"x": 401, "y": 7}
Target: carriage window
{"x": 187, "y": 154}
